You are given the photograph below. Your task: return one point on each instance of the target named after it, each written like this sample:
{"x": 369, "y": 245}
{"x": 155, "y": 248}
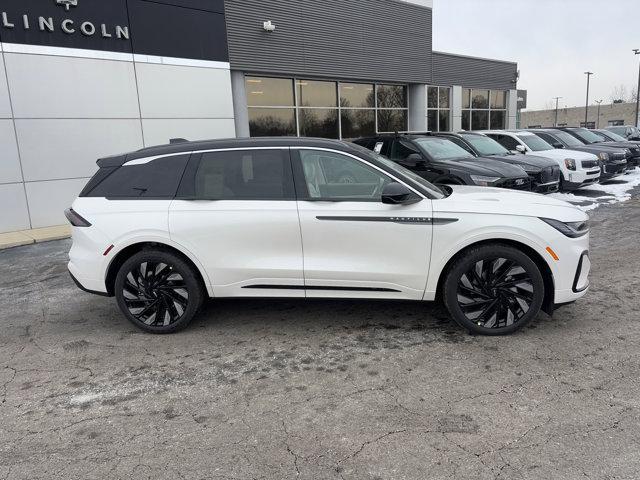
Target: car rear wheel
{"x": 158, "y": 291}
{"x": 493, "y": 289}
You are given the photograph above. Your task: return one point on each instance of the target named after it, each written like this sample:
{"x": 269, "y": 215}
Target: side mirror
{"x": 521, "y": 149}
{"x": 412, "y": 161}
{"x": 395, "y": 193}
{"x": 557, "y": 145}
{"x": 634, "y": 137}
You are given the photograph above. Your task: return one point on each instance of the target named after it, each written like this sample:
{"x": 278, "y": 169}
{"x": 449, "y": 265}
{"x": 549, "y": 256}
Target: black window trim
{"x": 300, "y": 182}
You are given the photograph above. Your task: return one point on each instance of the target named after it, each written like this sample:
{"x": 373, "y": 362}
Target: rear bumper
{"x": 82, "y": 287}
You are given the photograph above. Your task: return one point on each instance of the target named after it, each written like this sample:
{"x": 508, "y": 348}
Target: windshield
{"x": 485, "y": 145}
{"x": 568, "y": 139}
{"x": 442, "y": 149}
{"x": 535, "y": 143}
{"x": 586, "y": 135}
{"x": 613, "y": 136}
{"x": 431, "y": 188}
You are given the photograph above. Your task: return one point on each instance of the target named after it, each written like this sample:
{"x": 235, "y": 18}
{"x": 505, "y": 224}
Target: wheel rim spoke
{"x": 495, "y": 292}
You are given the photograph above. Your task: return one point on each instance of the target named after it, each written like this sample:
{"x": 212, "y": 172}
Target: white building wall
{"x": 61, "y": 109}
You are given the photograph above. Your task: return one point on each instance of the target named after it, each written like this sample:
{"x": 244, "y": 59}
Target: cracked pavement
{"x": 318, "y": 389}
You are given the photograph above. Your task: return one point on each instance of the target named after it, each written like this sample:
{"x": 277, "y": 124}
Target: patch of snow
{"x": 591, "y": 197}
{"x": 85, "y": 398}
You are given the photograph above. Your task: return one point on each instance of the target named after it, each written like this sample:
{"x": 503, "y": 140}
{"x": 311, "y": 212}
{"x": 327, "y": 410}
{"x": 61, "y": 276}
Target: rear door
{"x": 236, "y": 212}
{"x": 354, "y": 245}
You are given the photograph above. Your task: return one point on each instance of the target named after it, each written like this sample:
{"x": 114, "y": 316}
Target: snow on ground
{"x": 614, "y": 191}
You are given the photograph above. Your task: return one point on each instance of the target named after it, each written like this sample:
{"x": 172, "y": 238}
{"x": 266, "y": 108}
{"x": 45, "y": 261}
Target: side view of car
{"x": 166, "y": 227}
{"x": 441, "y": 161}
{"x": 575, "y": 173}
{"x": 633, "y": 145}
{"x": 544, "y": 173}
{"x": 612, "y": 160}
{"x": 627, "y": 131}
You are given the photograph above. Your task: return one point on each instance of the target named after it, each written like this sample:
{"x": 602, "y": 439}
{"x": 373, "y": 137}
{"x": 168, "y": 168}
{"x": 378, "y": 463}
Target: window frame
{"x": 489, "y": 109}
{"x": 438, "y": 108}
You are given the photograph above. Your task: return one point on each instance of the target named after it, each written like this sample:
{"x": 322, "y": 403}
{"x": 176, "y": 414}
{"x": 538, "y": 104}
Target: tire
{"x": 172, "y": 290}
{"x": 493, "y": 289}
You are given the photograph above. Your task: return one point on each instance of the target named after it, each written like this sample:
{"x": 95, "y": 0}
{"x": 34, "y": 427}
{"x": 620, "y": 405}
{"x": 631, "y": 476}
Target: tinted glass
{"x": 480, "y": 99}
{"x": 392, "y": 120}
{"x": 358, "y": 123}
{"x": 479, "y": 120}
{"x": 432, "y": 97}
{"x": 613, "y": 136}
{"x": 497, "y": 120}
{"x": 506, "y": 141}
{"x": 318, "y": 122}
{"x": 485, "y": 145}
{"x": 265, "y": 122}
{"x": 244, "y": 175}
{"x": 443, "y": 125}
{"x": 312, "y": 93}
{"x": 535, "y": 143}
{"x": 400, "y": 150}
{"x": 392, "y": 96}
{"x": 442, "y": 149}
{"x": 156, "y": 179}
{"x": 587, "y": 136}
{"x": 568, "y": 139}
{"x": 432, "y": 120}
{"x": 498, "y": 99}
{"x": 356, "y": 95}
{"x": 444, "y": 97}
{"x": 466, "y": 98}
{"x": 466, "y": 120}
{"x": 269, "y": 92}
{"x": 332, "y": 176}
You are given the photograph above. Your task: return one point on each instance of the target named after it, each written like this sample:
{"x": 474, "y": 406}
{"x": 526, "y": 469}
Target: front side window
{"x": 401, "y": 150}
{"x": 568, "y": 139}
{"x": 442, "y": 149}
{"x": 335, "y": 177}
{"x": 506, "y": 141}
{"x": 535, "y": 143}
{"x": 485, "y": 145}
{"x": 587, "y": 136}
{"x": 244, "y": 175}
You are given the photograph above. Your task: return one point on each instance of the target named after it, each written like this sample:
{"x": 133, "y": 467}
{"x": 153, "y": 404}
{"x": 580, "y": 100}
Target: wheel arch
{"x": 122, "y": 256}
{"x": 547, "y": 276}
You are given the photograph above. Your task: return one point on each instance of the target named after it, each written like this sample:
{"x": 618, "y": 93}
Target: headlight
{"x": 570, "y": 163}
{"x": 603, "y": 156}
{"x": 484, "y": 181}
{"x": 570, "y": 229}
{"x": 530, "y": 169}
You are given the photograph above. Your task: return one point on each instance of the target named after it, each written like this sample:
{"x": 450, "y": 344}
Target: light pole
{"x": 586, "y": 105}
{"x": 555, "y": 124}
{"x": 598, "y": 117}
{"x": 636, "y": 51}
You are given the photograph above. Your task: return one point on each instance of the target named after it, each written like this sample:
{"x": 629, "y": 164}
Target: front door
{"x": 236, "y": 212}
{"x": 353, "y": 244}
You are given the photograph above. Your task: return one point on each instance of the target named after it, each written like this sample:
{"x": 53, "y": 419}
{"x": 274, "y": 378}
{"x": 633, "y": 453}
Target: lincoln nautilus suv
{"x": 164, "y": 228}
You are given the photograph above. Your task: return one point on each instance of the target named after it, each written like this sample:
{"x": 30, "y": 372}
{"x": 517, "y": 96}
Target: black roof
{"x": 184, "y": 146}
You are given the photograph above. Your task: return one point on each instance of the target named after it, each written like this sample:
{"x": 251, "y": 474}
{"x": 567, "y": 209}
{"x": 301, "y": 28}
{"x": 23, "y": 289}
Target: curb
{"x": 36, "y": 235}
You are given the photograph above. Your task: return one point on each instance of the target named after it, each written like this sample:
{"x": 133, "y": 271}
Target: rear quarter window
{"x": 157, "y": 179}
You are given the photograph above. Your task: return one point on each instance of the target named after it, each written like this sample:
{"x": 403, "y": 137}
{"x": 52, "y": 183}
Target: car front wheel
{"x": 493, "y": 289}
{"x": 158, "y": 291}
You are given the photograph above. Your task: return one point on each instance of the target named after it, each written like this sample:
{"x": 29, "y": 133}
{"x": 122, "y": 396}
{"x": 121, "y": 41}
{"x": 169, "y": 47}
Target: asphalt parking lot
{"x": 274, "y": 389}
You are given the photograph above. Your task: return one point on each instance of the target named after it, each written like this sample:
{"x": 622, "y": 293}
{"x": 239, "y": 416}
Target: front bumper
{"x": 548, "y": 187}
{"x": 581, "y": 178}
{"x": 612, "y": 169}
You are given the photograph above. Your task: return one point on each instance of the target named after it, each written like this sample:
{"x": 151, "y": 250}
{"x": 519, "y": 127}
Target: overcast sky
{"x": 553, "y": 41}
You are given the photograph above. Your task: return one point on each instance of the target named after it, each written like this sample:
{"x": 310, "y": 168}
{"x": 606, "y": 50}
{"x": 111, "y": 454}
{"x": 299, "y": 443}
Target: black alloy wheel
{"x": 158, "y": 292}
{"x": 494, "y": 289}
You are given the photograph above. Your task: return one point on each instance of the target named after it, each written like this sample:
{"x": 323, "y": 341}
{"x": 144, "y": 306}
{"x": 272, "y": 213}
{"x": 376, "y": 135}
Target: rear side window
{"x": 157, "y": 179}
{"x": 244, "y": 175}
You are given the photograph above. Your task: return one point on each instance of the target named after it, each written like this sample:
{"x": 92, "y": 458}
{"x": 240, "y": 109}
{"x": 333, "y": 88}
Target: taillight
{"x": 75, "y": 219}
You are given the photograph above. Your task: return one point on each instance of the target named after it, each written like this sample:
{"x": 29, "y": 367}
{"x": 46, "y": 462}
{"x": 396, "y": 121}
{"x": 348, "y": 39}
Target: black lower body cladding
{"x": 612, "y": 169}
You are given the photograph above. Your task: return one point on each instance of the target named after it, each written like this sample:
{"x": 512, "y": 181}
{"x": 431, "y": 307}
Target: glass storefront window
{"x": 392, "y": 96}
{"x": 357, "y": 123}
{"x": 269, "y": 92}
{"x": 466, "y": 119}
{"x": 498, "y": 99}
{"x": 484, "y": 109}
{"x": 265, "y": 122}
{"x": 312, "y": 93}
{"x": 319, "y": 122}
{"x": 356, "y": 95}
{"x": 392, "y": 121}
{"x": 444, "y": 98}
{"x": 443, "y": 121}
{"x": 480, "y": 99}
{"x": 438, "y": 113}
{"x": 466, "y": 98}
{"x": 432, "y": 97}
{"x": 497, "y": 119}
{"x": 480, "y": 119}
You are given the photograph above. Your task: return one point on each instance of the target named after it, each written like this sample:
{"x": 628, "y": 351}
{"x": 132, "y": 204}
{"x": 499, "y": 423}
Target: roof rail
{"x": 177, "y": 140}
{"x": 411, "y": 132}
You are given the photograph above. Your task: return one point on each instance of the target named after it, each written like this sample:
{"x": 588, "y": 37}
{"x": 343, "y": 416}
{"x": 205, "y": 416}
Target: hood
{"x": 597, "y": 148}
{"x": 562, "y": 153}
{"x": 633, "y": 146}
{"x": 529, "y": 162}
{"x": 486, "y": 166}
{"x": 500, "y": 201}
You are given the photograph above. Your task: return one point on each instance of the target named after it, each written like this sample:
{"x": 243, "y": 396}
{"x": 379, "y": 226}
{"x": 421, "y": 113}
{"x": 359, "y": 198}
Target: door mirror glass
{"x": 395, "y": 193}
{"x": 557, "y": 145}
{"x": 412, "y": 161}
{"x": 521, "y": 149}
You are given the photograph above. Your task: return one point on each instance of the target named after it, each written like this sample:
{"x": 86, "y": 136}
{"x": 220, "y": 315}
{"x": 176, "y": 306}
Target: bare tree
{"x": 619, "y": 94}
{"x": 634, "y": 95}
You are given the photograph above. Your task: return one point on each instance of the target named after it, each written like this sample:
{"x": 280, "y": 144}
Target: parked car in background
{"x": 164, "y": 228}
{"x": 627, "y": 131}
{"x": 633, "y": 145}
{"x": 574, "y": 173}
{"x": 611, "y": 159}
{"x": 543, "y": 172}
{"x": 441, "y": 161}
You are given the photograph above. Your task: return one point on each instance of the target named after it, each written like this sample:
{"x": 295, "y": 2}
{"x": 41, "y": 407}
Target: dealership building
{"x": 83, "y": 79}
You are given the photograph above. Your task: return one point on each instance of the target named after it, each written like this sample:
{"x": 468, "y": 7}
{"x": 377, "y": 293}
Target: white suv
{"x": 579, "y": 169}
{"x": 164, "y": 228}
